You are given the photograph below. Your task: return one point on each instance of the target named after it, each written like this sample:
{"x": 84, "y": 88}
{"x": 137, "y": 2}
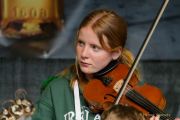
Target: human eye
{"x": 80, "y": 43}
{"x": 95, "y": 48}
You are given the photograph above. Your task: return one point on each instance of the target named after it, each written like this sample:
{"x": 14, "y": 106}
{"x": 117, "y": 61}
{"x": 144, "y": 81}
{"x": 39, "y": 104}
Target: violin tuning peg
{"x": 106, "y": 80}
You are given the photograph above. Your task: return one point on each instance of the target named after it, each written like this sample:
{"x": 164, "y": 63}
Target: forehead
{"x": 88, "y": 35}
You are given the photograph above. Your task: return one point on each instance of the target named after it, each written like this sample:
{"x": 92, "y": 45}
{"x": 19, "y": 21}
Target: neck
{"x": 82, "y": 83}
{"x": 89, "y": 76}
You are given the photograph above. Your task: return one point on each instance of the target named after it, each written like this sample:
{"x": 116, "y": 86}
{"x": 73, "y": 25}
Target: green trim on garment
{"x": 46, "y": 82}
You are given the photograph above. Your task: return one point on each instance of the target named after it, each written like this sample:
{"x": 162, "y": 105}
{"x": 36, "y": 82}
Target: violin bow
{"x": 142, "y": 48}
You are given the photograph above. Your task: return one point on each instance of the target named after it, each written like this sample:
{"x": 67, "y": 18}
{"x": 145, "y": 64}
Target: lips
{"x": 84, "y": 64}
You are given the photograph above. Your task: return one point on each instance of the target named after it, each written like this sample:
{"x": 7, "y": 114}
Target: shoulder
{"x": 61, "y": 79}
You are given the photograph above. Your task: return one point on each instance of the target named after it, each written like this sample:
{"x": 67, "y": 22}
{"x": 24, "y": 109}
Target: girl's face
{"x": 90, "y": 54}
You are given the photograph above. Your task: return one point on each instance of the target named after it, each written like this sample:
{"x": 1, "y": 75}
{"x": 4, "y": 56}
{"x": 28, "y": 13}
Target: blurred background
{"x": 37, "y": 41}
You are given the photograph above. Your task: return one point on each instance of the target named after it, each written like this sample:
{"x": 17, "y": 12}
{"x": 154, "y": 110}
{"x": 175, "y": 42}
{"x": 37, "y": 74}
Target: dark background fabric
{"x": 160, "y": 62}
{"x": 29, "y": 73}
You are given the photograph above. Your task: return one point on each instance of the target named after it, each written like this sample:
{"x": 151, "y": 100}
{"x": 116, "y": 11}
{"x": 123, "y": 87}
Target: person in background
{"x": 121, "y": 112}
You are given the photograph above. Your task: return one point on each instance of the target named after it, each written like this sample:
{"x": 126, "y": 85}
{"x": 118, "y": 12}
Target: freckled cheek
{"x": 78, "y": 51}
{"x": 100, "y": 62}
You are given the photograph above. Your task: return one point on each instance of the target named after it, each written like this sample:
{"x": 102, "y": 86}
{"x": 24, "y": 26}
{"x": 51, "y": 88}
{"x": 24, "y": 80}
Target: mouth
{"x": 84, "y": 64}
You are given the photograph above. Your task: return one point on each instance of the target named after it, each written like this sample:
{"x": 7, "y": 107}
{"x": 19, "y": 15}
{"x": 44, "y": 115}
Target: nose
{"x": 85, "y": 52}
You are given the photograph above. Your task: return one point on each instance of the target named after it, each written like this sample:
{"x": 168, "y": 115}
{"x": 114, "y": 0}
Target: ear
{"x": 116, "y": 53}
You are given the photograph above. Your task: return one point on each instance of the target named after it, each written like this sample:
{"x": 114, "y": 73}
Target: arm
{"x": 44, "y": 107}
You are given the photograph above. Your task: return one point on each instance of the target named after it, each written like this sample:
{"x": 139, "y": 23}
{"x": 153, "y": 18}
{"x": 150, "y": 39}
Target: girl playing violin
{"x": 100, "y": 41}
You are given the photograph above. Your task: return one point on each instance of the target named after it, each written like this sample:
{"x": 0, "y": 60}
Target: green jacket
{"x": 57, "y": 102}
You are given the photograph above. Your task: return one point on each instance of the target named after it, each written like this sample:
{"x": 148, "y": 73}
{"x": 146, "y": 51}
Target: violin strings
{"x": 146, "y": 103}
{"x": 133, "y": 94}
{"x": 140, "y": 99}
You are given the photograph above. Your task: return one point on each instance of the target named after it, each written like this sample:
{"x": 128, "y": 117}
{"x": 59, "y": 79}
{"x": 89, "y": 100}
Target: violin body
{"x": 149, "y": 93}
{"x": 101, "y": 96}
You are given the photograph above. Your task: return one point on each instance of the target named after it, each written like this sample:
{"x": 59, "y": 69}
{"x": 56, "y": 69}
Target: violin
{"x": 102, "y": 91}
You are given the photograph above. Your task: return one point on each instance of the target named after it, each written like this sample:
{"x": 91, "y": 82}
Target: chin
{"x": 87, "y": 70}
